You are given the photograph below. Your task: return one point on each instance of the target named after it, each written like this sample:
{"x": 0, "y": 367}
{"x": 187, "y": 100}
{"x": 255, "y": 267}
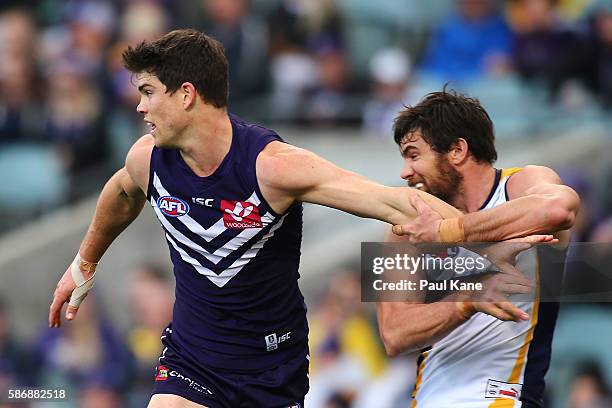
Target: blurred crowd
{"x": 67, "y": 107}
{"x": 98, "y": 365}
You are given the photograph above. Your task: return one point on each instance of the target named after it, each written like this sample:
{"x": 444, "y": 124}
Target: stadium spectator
{"x": 390, "y": 72}
{"x": 473, "y": 41}
{"x": 20, "y": 84}
{"x": 589, "y": 389}
{"x": 151, "y": 298}
{"x": 331, "y": 101}
{"x": 542, "y": 42}
{"x": 342, "y": 340}
{"x": 89, "y": 354}
{"x": 245, "y": 38}
{"x": 17, "y": 365}
{"x": 74, "y": 120}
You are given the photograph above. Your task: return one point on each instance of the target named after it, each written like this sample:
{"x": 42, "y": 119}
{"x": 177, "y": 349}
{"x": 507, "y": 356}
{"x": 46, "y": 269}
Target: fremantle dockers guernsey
{"x": 488, "y": 363}
{"x": 238, "y": 305}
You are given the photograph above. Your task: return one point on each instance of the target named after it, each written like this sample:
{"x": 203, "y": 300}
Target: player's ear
{"x": 189, "y": 95}
{"x": 459, "y": 151}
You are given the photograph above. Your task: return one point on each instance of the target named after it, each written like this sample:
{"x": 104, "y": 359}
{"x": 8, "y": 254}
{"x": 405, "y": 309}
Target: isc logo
{"x": 272, "y": 340}
{"x": 172, "y": 206}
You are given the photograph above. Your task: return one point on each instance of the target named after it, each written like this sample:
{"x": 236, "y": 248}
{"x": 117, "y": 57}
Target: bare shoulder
{"x": 138, "y": 161}
{"x": 277, "y": 164}
{"x": 530, "y": 176}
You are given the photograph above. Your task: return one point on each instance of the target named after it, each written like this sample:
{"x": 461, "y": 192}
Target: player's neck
{"x": 477, "y": 183}
{"x": 207, "y": 142}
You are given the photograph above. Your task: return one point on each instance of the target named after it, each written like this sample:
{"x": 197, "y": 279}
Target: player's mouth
{"x": 419, "y": 185}
{"x": 151, "y": 126}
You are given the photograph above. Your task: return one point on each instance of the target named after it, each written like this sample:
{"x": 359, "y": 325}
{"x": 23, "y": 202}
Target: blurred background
{"x": 328, "y": 75}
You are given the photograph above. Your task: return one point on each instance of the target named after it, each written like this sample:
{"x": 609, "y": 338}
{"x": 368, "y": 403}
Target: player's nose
{"x": 141, "y": 107}
{"x": 407, "y": 171}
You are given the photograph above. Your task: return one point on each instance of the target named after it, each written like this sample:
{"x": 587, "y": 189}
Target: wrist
{"x": 451, "y": 230}
{"x": 85, "y": 266}
{"x": 465, "y": 307}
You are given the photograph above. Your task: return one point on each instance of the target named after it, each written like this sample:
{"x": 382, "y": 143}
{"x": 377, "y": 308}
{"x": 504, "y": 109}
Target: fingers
{"x": 55, "y": 310}
{"x": 535, "y": 239}
{"x": 493, "y": 310}
{"x": 504, "y": 311}
{"x": 516, "y": 313}
{"x": 71, "y": 312}
{"x": 419, "y": 204}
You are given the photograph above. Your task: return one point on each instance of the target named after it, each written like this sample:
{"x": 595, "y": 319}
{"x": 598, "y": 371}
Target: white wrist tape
{"x": 83, "y": 286}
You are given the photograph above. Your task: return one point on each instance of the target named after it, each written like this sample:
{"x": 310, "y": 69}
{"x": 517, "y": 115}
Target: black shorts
{"x": 284, "y": 386}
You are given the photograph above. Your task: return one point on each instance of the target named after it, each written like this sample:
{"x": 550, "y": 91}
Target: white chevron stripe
{"x": 220, "y": 253}
{"x": 207, "y": 233}
{"x": 221, "y": 279}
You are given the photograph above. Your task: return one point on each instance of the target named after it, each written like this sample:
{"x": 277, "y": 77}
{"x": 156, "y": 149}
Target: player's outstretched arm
{"x": 120, "y": 202}
{"x": 287, "y": 174}
{"x": 539, "y": 204}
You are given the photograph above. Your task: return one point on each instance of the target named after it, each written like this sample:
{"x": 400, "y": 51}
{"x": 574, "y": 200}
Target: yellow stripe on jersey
{"x": 515, "y": 375}
{"x": 509, "y": 171}
{"x": 419, "y": 378}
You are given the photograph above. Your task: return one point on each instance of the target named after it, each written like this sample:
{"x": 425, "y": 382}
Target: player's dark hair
{"x": 443, "y": 118}
{"x": 184, "y": 56}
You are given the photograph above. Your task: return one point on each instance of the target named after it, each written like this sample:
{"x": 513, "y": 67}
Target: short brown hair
{"x": 444, "y": 117}
{"x": 184, "y": 56}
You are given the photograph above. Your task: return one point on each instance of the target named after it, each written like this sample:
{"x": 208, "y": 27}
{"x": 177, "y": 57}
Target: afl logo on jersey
{"x": 172, "y": 206}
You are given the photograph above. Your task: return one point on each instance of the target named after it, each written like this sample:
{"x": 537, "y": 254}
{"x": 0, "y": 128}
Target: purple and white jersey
{"x": 238, "y": 305}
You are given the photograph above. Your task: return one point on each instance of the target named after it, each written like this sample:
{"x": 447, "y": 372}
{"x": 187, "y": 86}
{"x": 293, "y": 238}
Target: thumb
{"x": 397, "y": 229}
{"x": 71, "y": 312}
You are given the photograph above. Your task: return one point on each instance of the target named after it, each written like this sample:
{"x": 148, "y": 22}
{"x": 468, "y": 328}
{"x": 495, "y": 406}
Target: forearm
{"x": 402, "y": 211}
{"x": 534, "y": 214}
{"x": 407, "y": 327}
{"x": 115, "y": 210}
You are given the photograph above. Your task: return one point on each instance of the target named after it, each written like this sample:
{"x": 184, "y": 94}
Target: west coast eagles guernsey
{"x": 238, "y": 306}
{"x": 488, "y": 363}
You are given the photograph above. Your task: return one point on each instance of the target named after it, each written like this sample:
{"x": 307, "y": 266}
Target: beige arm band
{"x": 451, "y": 230}
{"x": 466, "y": 308}
{"x": 83, "y": 286}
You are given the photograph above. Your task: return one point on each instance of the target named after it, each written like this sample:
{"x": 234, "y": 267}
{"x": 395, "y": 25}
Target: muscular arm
{"x": 412, "y": 325}
{"x": 120, "y": 202}
{"x": 539, "y": 204}
{"x": 287, "y": 174}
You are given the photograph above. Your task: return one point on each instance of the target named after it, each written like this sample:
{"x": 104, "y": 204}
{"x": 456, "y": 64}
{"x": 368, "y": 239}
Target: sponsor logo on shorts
{"x": 161, "y": 374}
{"x": 172, "y": 206}
{"x": 500, "y": 389}
{"x": 192, "y": 384}
{"x": 240, "y": 215}
{"x": 272, "y": 340}
{"x": 294, "y": 405}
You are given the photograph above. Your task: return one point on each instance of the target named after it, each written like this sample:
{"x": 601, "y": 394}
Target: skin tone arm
{"x": 539, "y": 204}
{"x": 411, "y": 324}
{"x": 286, "y": 174}
{"x": 120, "y": 202}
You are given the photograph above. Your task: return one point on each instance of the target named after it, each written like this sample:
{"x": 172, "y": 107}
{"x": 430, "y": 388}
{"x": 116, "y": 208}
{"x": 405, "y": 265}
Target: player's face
{"x": 428, "y": 170}
{"x": 161, "y": 110}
